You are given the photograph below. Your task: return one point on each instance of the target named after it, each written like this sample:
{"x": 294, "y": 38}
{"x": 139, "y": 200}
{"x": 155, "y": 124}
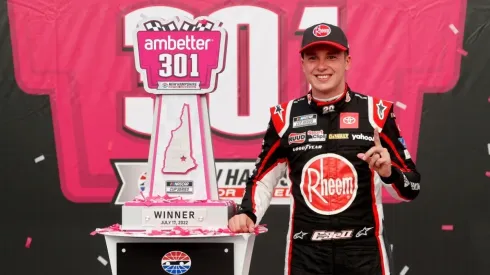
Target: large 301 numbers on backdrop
{"x": 176, "y": 65}
{"x": 262, "y": 71}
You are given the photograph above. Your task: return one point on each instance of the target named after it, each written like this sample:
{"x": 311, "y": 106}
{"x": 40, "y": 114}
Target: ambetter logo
{"x": 329, "y": 184}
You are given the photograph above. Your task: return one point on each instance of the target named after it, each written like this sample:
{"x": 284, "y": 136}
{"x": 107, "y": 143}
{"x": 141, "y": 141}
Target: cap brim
{"x": 333, "y": 44}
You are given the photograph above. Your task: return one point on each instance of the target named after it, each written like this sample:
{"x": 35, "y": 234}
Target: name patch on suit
{"x": 306, "y": 120}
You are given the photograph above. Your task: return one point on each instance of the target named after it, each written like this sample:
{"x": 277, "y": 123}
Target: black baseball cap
{"x": 325, "y": 34}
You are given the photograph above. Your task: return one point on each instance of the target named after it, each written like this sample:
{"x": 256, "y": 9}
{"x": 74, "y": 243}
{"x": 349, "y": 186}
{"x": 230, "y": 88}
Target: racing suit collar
{"x": 325, "y": 107}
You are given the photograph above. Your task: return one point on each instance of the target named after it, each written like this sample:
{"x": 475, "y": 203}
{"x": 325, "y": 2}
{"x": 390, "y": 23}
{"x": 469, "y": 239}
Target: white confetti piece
{"x": 488, "y": 145}
{"x": 404, "y": 270}
{"x": 401, "y": 105}
{"x": 39, "y": 159}
{"x": 391, "y": 246}
{"x": 102, "y": 260}
{"x": 453, "y": 28}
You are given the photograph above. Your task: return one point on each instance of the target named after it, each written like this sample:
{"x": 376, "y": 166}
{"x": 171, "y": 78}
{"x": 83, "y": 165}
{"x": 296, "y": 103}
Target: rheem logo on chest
{"x": 329, "y": 184}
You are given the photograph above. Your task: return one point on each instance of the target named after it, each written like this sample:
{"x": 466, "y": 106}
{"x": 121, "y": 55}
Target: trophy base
{"x": 152, "y": 214}
{"x": 209, "y": 254}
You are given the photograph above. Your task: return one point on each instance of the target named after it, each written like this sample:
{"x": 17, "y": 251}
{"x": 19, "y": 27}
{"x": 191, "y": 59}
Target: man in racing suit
{"x": 338, "y": 148}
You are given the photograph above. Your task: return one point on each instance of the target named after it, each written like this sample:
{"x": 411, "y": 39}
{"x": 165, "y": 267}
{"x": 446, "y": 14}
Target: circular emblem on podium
{"x": 176, "y": 262}
{"x": 142, "y": 181}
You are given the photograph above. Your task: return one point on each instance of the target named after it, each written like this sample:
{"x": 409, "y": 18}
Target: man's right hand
{"x": 241, "y": 223}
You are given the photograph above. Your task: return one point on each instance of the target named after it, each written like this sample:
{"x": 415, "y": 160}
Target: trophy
{"x": 178, "y": 213}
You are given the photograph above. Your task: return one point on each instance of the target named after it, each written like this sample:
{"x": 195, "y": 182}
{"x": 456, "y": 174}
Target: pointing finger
{"x": 377, "y": 142}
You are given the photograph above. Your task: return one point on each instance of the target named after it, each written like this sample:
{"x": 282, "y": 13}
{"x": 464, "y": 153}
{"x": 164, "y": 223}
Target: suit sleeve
{"x": 270, "y": 167}
{"x": 404, "y": 182}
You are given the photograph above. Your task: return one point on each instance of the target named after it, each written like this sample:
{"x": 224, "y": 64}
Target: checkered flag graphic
{"x": 155, "y": 25}
{"x": 187, "y": 27}
{"x": 204, "y": 26}
{"x": 170, "y": 26}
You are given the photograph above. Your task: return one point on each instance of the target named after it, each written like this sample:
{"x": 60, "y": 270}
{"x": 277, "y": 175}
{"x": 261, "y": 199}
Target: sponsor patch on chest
{"x": 305, "y": 120}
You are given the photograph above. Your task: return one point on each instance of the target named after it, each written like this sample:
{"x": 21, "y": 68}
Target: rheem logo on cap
{"x": 322, "y": 30}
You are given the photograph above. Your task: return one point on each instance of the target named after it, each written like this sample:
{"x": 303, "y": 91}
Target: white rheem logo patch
{"x": 329, "y": 184}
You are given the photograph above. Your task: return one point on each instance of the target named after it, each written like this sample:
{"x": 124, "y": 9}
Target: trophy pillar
{"x": 181, "y": 161}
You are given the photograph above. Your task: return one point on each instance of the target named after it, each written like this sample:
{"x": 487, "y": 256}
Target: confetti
{"x": 488, "y": 145}
{"x": 391, "y": 246}
{"x": 404, "y": 270}
{"x": 461, "y": 51}
{"x": 102, "y": 260}
{"x": 109, "y": 146}
{"x": 28, "y": 242}
{"x": 453, "y": 28}
{"x": 176, "y": 231}
{"x": 489, "y": 100}
{"x": 39, "y": 159}
{"x": 447, "y": 227}
{"x": 487, "y": 174}
{"x": 167, "y": 199}
{"x": 401, "y": 105}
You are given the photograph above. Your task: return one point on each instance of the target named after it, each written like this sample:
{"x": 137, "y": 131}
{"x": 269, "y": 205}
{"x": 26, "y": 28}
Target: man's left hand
{"x": 377, "y": 157}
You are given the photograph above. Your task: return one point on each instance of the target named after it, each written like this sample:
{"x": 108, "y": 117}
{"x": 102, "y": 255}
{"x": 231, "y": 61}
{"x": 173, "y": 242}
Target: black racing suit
{"x": 336, "y": 224}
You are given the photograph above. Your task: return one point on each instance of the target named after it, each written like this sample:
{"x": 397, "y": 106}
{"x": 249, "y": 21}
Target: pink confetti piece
{"x": 453, "y": 28}
{"x": 28, "y": 242}
{"x": 461, "y": 51}
{"x": 109, "y": 146}
{"x": 489, "y": 100}
{"x": 447, "y": 227}
{"x": 487, "y": 174}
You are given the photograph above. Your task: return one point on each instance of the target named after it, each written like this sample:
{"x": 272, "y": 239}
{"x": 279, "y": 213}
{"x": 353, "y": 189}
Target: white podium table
{"x": 241, "y": 244}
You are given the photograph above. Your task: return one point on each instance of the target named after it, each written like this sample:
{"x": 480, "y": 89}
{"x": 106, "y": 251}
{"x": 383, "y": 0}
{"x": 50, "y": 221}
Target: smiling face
{"x": 324, "y": 67}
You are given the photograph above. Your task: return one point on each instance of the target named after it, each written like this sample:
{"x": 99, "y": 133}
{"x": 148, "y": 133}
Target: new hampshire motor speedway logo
{"x": 176, "y": 262}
